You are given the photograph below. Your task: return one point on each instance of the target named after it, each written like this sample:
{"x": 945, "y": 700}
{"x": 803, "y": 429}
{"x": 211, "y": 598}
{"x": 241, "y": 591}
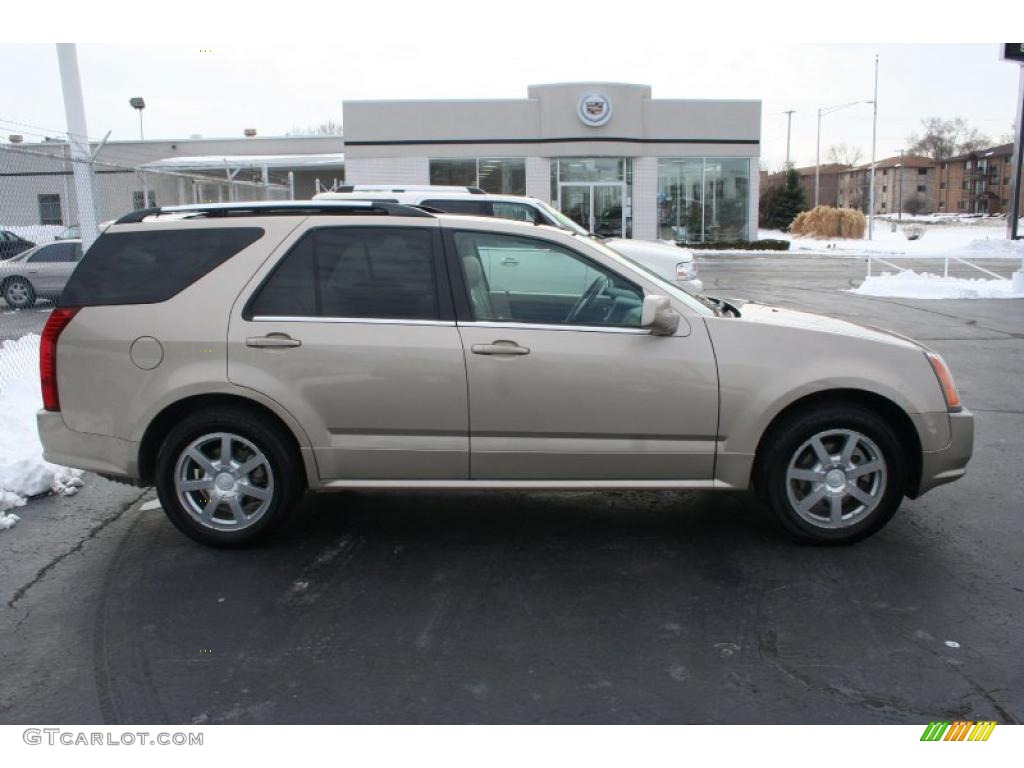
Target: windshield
{"x": 562, "y": 221}
{"x": 697, "y": 304}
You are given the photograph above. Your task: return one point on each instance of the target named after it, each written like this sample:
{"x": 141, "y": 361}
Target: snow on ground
{"x": 23, "y": 472}
{"x": 912, "y": 285}
{"x": 984, "y": 239}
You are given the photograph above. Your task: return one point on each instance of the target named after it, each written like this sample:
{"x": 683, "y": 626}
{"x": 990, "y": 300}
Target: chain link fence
{"x": 45, "y": 194}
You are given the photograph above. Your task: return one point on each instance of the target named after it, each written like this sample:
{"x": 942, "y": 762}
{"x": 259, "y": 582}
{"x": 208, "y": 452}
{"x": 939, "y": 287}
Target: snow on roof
{"x": 331, "y": 160}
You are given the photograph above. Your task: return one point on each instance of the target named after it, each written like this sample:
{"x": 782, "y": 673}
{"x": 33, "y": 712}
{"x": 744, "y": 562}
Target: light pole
{"x": 900, "y": 193}
{"x": 789, "y": 125}
{"x": 138, "y": 103}
{"x": 874, "y": 139}
{"x": 822, "y": 111}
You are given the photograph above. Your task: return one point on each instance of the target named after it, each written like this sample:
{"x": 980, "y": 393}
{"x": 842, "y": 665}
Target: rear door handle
{"x": 501, "y": 347}
{"x": 273, "y": 340}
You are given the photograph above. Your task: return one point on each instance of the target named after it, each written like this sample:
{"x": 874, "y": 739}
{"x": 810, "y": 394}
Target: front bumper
{"x": 101, "y": 454}
{"x": 949, "y": 463}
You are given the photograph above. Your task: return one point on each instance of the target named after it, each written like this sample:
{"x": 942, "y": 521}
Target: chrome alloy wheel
{"x": 836, "y": 479}
{"x": 224, "y": 481}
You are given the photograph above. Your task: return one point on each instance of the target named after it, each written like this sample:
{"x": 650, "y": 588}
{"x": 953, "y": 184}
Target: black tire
{"x": 286, "y": 470}
{"x": 19, "y": 299}
{"x": 792, "y": 434}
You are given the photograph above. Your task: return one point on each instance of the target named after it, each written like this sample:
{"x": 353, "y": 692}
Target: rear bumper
{"x": 101, "y": 454}
{"x": 949, "y": 463}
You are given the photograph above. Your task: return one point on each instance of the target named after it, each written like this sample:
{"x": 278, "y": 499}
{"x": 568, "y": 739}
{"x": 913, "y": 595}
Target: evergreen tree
{"x": 783, "y": 203}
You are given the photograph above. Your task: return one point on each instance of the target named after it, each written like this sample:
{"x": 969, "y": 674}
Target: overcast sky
{"x": 274, "y": 85}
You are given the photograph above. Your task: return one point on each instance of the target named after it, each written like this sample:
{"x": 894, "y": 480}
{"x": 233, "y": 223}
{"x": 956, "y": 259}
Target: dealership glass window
{"x": 454, "y": 172}
{"x": 592, "y": 169}
{"x": 497, "y": 175}
{"x": 49, "y": 210}
{"x": 703, "y": 199}
{"x": 502, "y": 176}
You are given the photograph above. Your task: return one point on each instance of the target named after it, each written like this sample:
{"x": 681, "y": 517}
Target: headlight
{"x": 945, "y": 382}
{"x": 686, "y": 270}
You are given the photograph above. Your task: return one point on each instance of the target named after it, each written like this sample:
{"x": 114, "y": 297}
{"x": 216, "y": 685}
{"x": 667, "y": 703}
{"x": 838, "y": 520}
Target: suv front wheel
{"x": 834, "y": 475}
{"x": 225, "y": 477}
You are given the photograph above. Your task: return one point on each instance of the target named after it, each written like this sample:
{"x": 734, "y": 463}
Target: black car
{"x": 12, "y": 244}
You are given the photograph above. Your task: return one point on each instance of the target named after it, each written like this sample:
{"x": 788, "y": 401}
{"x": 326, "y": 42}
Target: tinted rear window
{"x": 149, "y": 267}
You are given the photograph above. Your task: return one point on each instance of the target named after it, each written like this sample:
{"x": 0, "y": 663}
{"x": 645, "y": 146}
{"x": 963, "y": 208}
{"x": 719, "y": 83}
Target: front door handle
{"x": 502, "y": 347}
{"x": 273, "y": 340}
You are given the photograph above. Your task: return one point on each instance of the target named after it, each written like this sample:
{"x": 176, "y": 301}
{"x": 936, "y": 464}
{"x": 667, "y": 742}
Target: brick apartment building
{"x": 977, "y": 182}
{"x": 912, "y": 177}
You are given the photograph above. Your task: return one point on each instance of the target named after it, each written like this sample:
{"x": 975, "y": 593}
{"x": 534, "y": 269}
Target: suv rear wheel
{"x": 834, "y": 475}
{"x": 226, "y": 477}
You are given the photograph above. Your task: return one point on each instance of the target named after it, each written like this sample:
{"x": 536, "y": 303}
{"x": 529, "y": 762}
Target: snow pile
{"x": 23, "y": 472}
{"x": 924, "y": 285}
{"x": 961, "y": 239}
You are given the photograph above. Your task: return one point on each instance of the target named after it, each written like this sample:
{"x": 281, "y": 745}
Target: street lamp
{"x": 138, "y": 103}
{"x": 822, "y": 111}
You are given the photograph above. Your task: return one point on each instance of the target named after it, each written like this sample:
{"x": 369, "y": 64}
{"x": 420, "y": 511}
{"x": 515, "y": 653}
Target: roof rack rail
{"x": 278, "y": 208}
{"x": 396, "y": 188}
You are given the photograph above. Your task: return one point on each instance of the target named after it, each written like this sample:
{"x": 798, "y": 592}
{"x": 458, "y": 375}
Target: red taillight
{"x": 56, "y": 323}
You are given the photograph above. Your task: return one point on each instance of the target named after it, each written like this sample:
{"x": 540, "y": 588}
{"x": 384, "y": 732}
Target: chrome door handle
{"x": 273, "y": 340}
{"x": 501, "y": 347}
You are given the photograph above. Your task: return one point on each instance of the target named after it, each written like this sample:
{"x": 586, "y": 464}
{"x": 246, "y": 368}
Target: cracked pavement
{"x": 549, "y": 607}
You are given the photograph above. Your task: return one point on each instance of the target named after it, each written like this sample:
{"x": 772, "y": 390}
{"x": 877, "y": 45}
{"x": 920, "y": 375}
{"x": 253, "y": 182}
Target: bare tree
{"x": 326, "y": 128}
{"x": 844, "y": 154}
{"x": 940, "y": 139}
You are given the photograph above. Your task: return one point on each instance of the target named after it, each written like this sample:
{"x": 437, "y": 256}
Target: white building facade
{"x": 610, "y": 156}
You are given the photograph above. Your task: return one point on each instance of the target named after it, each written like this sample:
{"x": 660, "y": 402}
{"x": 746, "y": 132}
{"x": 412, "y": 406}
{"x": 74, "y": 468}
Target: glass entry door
{"x": 596, "y": 207}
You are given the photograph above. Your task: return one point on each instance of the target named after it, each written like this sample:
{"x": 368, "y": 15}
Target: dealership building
{"x": 609, "y": 155}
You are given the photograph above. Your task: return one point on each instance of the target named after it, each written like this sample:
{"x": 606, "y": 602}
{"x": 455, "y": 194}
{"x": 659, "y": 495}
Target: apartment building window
{"x": 922, "y": 171}
{"x": 885, "y": 171}
{"x": 943, "y": 166}
{"x": 920, "y": 188}
{"x": 49, "y": 210}
{"x": 963, "y": 185}
{"x": 942, "y": 185}
{"x": 885, "y": 188}
{"x": 139, "y": 201}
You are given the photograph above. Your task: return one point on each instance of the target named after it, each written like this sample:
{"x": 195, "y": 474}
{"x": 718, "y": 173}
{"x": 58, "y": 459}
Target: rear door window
{"x": 53, "y": 254}
{"x": 150, "y": 267}
{"x": 354, "y": 272}
{"x": 467, "y": 207}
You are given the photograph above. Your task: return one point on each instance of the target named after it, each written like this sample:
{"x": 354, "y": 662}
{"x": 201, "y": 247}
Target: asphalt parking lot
{"x": 569, "y": 608}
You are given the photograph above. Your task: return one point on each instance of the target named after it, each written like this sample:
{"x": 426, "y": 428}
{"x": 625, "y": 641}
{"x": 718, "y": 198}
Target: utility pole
{"x": 789, "y": 125}
{"x": 78, "y": 141}
{"x": 874, "y": 138}
{"x": 900, "y": 166}
{"x": 817, "y": 162}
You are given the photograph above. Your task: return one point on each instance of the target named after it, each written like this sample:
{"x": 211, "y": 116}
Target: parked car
{"x": 247, "y": 352}
{"x": 38, "y": 273}
{"x": 675, "y": 264}
{"x": 11, "y": 244}
{"x": 70, "y": 232}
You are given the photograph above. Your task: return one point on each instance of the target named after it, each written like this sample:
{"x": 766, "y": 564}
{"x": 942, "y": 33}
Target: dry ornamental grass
{"x": 825, "y": 222}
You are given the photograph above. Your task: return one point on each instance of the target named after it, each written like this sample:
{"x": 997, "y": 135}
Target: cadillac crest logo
{"x": 594, "y": 109}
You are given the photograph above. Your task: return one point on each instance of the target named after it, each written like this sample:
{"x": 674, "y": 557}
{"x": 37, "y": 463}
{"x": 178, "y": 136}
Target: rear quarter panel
{"x": 103, "y": 392}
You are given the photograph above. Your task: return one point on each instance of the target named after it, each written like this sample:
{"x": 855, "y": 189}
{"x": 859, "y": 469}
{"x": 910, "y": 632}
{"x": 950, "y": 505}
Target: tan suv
{"x": 236, "y": 355}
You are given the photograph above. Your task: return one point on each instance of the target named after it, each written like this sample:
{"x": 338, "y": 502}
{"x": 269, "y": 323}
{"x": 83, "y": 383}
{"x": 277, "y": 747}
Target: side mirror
{"x": 658, "y": 315}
